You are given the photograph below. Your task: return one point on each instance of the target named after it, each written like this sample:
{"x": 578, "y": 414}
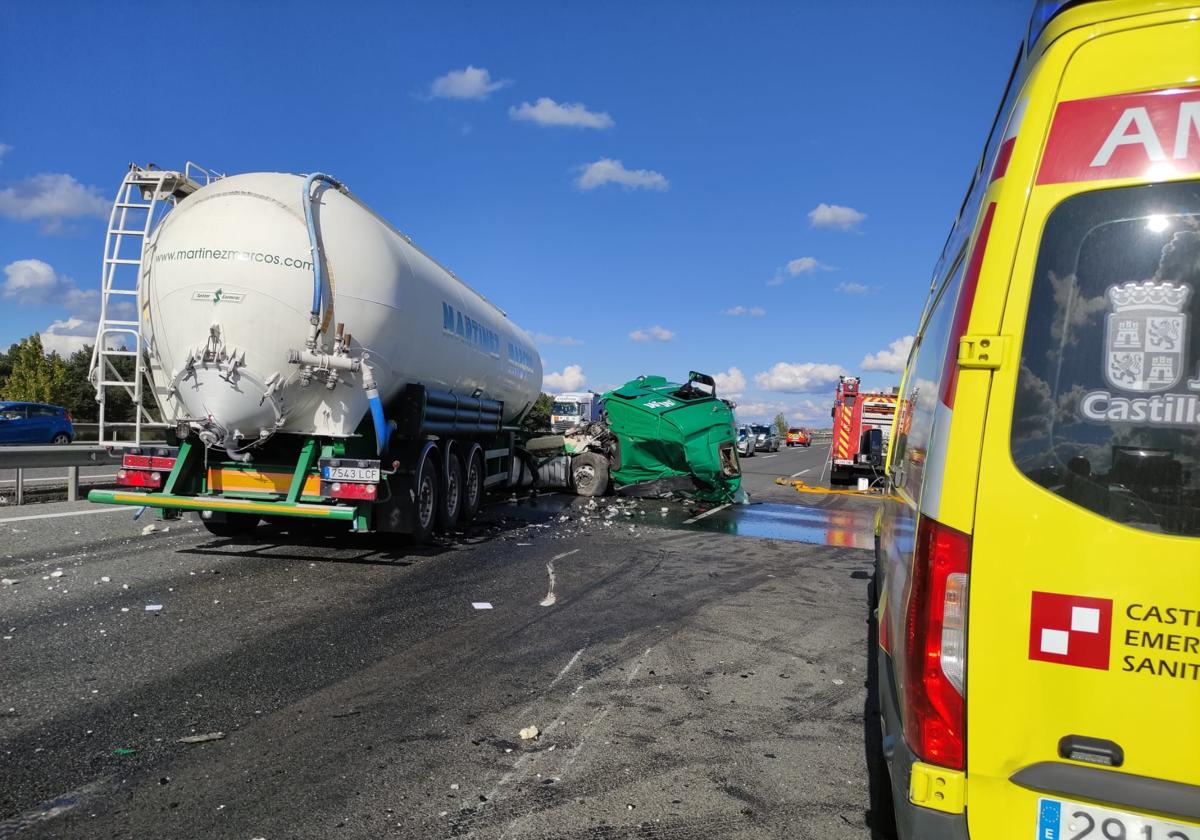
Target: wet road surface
{"x": 689, "y": 679}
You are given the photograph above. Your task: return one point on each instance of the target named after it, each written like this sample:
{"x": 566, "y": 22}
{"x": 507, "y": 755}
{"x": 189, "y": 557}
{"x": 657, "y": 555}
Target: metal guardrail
{"x": 21, "y": 458}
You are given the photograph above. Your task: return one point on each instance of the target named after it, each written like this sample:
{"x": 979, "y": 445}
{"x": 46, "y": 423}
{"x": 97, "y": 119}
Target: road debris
{"x": 482, "y": 605}
{"x": 530, "y": 733}
{"x": 153, "y": 607}
{"x": 149, "y": 529}
{"x": 8, "y": 582}
{"x": 57, "y": 573}
{"x": 200, "y": 739}
{"x": 124, "y": 751}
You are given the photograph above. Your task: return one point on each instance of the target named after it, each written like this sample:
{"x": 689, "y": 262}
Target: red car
{"x": 798, "y": 437}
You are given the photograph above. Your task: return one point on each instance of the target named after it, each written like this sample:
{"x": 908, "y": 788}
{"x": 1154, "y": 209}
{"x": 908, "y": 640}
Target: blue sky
{"x": 492, "y": 133}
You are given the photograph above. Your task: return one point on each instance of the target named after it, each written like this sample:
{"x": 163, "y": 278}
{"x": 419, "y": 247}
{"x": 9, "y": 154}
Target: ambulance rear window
{"x": 1107, "y": 411}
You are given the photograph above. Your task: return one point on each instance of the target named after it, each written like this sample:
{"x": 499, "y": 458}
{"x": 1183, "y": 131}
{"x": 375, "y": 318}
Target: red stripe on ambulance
{"x": 1133, "y": 135}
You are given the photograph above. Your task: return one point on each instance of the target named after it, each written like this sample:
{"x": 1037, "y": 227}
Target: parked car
{"x": 798, "y": 437}
{"x": 766, "y": 438}
{"x": 22, "y": 422}
{"x": 746, "y": 440}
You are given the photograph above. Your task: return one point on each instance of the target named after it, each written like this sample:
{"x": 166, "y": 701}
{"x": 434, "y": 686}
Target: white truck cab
{"x": 574, "y": 408}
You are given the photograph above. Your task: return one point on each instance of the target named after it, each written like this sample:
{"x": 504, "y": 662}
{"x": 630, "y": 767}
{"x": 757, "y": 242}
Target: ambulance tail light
{"x": 936, "y": 646}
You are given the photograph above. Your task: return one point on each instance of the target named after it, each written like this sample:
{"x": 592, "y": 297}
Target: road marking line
{"x": 802, "y": 472}
{"x": 60, "y": 515}
{"x": 709, "y": 512}
{"x": 566, "y": 668}
{"x": 765, "y": 457}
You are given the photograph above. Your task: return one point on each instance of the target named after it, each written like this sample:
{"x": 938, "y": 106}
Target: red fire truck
{"x": 862, "y": 429}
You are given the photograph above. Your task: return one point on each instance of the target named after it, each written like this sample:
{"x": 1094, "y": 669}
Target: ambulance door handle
{"x": 1092, "y": 750}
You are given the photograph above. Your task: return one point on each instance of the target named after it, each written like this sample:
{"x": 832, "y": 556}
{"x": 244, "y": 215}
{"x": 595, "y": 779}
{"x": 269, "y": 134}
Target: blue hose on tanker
{"x": 315, "y": 248}
{"x": 383, "y": 429}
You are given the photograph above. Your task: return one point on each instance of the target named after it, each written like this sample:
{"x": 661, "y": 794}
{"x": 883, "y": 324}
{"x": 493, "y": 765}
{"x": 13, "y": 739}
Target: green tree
{"x": 781, "y": 424}
{"x": 78, "y": 395}
{"x": 538, "y": 417}
{"x": 34, "y": 376}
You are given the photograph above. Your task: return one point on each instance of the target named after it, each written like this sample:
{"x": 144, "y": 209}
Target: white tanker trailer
{"x": 311, "y": 361}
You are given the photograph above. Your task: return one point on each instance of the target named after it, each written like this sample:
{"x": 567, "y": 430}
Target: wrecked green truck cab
{"x": 673, "y": 438}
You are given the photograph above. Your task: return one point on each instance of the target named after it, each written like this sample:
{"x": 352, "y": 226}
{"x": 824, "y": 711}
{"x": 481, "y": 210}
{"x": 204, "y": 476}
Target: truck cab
{"x": 574, "y": 408}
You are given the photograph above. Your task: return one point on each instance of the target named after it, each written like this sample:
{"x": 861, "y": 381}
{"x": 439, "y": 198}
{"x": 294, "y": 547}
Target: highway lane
{"x": 688, "y": 683}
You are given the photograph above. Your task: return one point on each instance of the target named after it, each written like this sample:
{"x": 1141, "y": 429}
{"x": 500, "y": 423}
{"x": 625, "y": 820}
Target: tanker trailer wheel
{"x": 589, "y": 474}
{"x": 472, "y": 487}
{"x": 450, "y": 509}
{"x": 230, "y": 525}
{"x": 425, "y": 499}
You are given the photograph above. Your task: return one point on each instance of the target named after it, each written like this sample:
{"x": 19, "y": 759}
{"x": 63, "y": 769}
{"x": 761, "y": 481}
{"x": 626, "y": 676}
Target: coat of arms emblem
{"x": 1146, "y": 336}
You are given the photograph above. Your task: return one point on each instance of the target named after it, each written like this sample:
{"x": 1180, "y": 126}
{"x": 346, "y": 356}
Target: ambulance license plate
{"x": 365, "y": 474}
{"x": 1062, "y": 820}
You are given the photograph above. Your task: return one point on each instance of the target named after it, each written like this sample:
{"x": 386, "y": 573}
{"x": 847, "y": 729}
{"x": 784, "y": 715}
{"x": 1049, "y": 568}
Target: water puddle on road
{"x": 838, "y": 525}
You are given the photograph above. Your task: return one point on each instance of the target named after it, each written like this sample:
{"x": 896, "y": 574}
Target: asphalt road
{"x": 693, "y": 673}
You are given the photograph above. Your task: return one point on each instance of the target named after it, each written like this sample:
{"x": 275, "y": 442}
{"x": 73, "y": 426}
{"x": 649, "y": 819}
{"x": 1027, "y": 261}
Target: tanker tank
{"x": 244, "y": 330}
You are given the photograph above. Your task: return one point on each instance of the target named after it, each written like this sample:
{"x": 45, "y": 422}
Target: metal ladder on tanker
{"x": 145, "y": 196}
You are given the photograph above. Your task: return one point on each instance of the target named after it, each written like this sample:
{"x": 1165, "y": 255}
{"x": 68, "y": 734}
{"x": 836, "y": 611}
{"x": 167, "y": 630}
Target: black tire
{"x": 589, "y": 474}
{"x": 450, "y": 508}
{"x": 426, "y": 499}
{"x": 61, "y": 439}
{"x": 232, "y": 525}
{"x": 473, "y": 487}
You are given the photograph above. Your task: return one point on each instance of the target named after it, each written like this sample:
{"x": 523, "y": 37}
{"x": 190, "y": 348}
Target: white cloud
{"x": 564, "y": 340}
{"x": 805, "y": 411}
{"x": 739, "y": 311}
{"x": 835, "y": 216}
{"x": 804, "y": 265}
{"x": 571, "y": 378}
{"x": 852, "y": 288}
{"x": 655, "y": 333}
{"x": 468, "y": 83}
{"x": 36, "y": 282}
{"x": 51, "y": 199}
{"x": 65, "y": 337}
{"x": 892, "y": 359}
{"x": 608, "y": 171}
{"x": 730, "y": 384}
{"x": 800, "y": 377}
{"x": 4, "y": 150}
{"x": 568, "y": 114}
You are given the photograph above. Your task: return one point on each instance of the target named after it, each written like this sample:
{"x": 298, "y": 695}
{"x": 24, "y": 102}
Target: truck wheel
{"x": 426, "y": 499}
{"x": 232, "y": 525}
{"x": 472, "y": 488}
{"x": 589, "y": 474}
{"x": 450, "y": 509}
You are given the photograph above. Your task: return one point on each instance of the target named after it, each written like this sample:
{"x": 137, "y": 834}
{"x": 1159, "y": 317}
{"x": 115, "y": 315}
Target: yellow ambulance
{"x": 1037, "y": 591}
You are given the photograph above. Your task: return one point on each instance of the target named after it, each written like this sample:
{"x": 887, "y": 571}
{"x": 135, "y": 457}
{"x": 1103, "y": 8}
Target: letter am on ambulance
{"x": 1153, "y": 134}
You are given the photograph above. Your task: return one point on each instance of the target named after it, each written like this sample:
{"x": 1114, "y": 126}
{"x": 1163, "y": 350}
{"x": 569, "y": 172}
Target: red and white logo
{"x": 1070, "y": 629}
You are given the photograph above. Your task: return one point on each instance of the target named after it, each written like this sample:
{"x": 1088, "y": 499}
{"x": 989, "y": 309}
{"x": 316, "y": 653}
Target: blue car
{"x": 22, "y": 422}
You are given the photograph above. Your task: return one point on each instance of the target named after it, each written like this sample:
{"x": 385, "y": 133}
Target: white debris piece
{"x": 149, "y": 529}
{"x": 482, "y": 605}
{"x": 105, "y": 579}
{"x": 153, "y": 607}
{"x": 57, "y": 573}
{"x": 8, "y": 582}
{"x": 200, "y": 739}
{"x": 530, "y": 733}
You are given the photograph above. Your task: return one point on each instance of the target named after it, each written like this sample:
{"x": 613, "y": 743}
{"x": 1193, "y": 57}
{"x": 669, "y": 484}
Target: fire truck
{"x": 862, "y": 429}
